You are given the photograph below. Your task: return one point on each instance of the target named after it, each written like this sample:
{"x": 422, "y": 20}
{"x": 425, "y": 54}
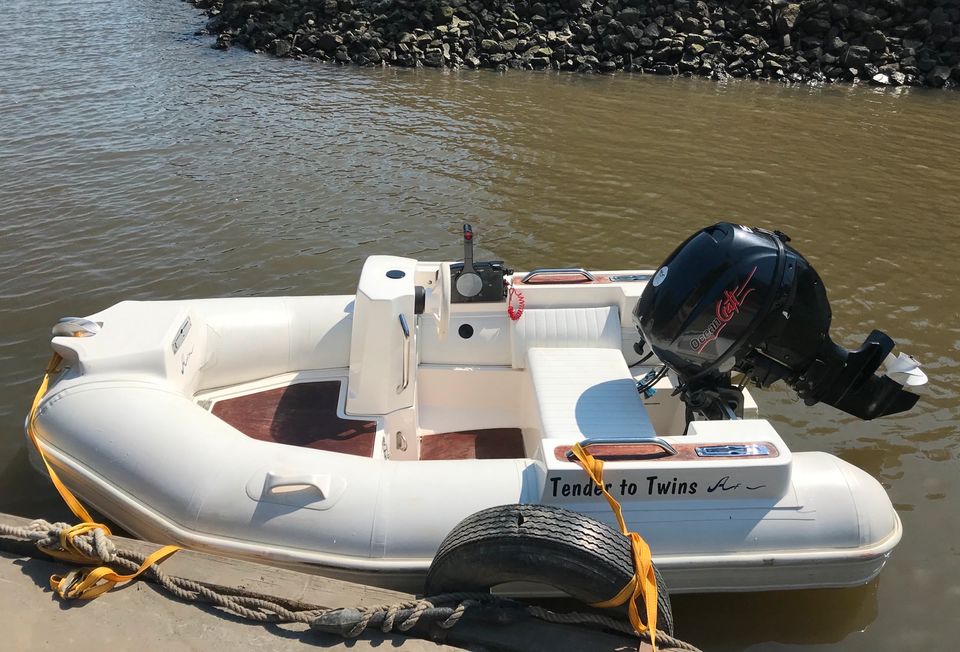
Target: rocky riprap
{"x": 884, "y": 42}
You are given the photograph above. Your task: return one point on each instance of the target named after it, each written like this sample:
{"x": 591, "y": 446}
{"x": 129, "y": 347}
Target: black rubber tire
{"x": 539, "y": 543}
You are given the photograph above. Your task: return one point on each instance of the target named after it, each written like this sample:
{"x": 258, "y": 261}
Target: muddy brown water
{"x": 137, "y": 162}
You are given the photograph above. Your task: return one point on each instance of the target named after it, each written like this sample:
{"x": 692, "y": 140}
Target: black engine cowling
{"x": 735, "y": 298}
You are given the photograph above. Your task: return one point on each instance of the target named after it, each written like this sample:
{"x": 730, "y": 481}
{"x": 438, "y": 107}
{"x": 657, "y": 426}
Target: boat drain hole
{"x": 466, "y": 331}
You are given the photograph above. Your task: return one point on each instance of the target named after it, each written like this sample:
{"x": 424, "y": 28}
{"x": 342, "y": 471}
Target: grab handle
{"x": 668, "y": 450}
{"x": 405, "y": 355}
{"x": 277, "y": 483}
{"x": 559, "y": 272}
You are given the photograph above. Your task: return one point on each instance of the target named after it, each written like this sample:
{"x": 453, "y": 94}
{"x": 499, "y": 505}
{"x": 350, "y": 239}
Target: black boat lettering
{"x": 722, "y": 485}
{"x": 576, "y": 489}
{"x": 671, "y": 487}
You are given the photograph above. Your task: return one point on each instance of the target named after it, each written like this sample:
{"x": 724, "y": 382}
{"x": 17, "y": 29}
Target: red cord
{"x": 521, "y": 302}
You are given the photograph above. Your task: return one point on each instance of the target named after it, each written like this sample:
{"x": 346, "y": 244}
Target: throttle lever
{"x": 468, "y": 282}
{"x": 468, "y": 248}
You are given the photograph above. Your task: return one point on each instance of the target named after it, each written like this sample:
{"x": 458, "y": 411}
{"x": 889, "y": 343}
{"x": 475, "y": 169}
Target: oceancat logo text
{"x": 728, "y": 306}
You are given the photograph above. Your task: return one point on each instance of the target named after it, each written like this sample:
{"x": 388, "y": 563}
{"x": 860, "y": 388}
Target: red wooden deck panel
{"x": 299, "y": 415}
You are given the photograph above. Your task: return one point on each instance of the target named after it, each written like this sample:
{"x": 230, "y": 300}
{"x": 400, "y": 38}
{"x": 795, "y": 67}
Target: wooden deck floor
{"x": 489, "y": 444}
{"x": 304, "y": 414}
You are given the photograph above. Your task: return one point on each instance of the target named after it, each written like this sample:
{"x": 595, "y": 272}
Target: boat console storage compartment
{"x": 383, "y": 343}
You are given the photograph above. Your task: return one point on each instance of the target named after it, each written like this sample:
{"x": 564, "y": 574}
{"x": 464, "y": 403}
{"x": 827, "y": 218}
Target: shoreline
{"x": 880, "y": 42}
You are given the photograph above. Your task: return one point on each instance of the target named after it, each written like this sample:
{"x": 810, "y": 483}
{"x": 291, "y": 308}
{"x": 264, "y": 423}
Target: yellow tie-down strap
{"x": 86, "y": 583}
{"x": 643, "y": 585}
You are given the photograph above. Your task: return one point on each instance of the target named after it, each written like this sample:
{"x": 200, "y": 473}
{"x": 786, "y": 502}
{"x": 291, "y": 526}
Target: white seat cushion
{"x": 564, "y": 328}
{"x": 584, "y": 393}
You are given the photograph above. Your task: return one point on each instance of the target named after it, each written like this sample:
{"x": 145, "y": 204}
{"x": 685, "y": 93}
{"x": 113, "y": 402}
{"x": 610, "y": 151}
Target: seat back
{"x": 563, "y": 328}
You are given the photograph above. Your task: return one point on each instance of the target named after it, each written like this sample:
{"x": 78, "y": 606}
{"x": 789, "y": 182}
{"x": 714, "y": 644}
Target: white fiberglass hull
{"x": 712, "y": 571}
{"x": 132, "y": 426}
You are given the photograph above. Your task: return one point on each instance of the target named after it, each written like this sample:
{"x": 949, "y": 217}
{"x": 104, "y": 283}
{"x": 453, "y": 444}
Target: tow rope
{"x": 84, "y": 583}
{"x": 439, "y": 611}
{"x": 643, "y": 585}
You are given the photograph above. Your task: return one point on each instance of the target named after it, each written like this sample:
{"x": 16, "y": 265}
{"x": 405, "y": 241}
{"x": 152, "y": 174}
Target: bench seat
{"x": 586, "y": 393}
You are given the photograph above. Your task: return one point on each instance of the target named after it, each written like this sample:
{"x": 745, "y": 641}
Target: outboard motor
{"x": 734, "y": 298}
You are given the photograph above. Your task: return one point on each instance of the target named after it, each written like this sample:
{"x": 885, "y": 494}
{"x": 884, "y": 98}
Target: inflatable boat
{"x": 351, "y": 433}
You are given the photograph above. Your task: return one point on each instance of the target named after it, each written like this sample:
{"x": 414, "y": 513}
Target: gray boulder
{"x": 856, "y": 56}
{"x": 939, "y": 76}
{"x": 862, "y": 21}
{"x": 329, "y": 42}
{"x": 835, "y": 45}
{"x": 876, "y": 41}
{"x": 629, "y": 16}
{"x": 787, "y": 18}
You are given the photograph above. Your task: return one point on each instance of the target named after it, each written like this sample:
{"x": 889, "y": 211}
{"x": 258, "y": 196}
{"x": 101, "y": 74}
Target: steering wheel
{"x": 443, "y": 313}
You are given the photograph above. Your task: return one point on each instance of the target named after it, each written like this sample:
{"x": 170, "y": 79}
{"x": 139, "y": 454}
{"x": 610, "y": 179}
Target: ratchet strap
{"x": 643, "y": 585}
